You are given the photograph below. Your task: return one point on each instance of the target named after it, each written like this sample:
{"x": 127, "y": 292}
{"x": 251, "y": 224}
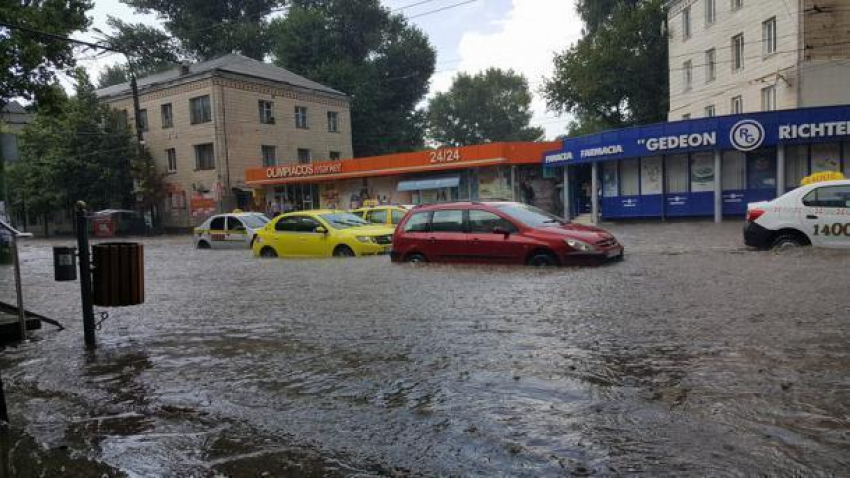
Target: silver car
{"x": 233, "y": 230}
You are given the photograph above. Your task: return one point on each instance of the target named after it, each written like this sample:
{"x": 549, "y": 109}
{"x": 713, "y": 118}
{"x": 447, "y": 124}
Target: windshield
{"x": 343, "y": 220}
{"x": 530, "y": 215}
{"x": 254, "y": 221}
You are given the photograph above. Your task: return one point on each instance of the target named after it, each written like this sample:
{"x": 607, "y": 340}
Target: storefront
{"x": 703, "y": 167}
{"x": 499, "y": 171}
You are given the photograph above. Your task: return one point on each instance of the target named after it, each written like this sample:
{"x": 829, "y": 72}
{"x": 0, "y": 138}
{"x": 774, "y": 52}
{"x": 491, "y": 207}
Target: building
{"x": 497, "y": 171}
{"x": 13, "y": 118}
{"x": 740, "y": 56}
{"x": 206, "y": 123}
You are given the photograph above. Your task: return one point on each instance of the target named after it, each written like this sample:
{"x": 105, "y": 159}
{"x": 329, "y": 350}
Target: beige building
{"x": 206, "y": 123}
{"x": 740, "y": 56}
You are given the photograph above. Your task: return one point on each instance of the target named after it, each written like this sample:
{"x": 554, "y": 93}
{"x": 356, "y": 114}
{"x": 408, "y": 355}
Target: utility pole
{"x": 140, "y": 138}
{"x": 85, "y": 275}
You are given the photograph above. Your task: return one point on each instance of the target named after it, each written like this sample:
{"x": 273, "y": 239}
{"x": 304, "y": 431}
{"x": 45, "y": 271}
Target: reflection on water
{"x": 693, "y": 356}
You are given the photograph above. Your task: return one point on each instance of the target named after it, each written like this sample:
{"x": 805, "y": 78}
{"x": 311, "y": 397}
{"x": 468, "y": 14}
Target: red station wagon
{"x": 498, "y": 232}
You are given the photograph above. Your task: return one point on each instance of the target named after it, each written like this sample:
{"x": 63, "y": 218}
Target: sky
{"x": 471, "y": 37}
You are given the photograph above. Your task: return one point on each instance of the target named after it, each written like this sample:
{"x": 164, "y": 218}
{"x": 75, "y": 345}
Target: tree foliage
{"x": 360, "y": 48}
{"x": 211, "y": 28}
{"x": 113, "y": 75}
{"x": 491, "y": 106}
{"x": 82, "y": 153}
{"x": 617, "y": 74}
{"x": 27, "y": 60}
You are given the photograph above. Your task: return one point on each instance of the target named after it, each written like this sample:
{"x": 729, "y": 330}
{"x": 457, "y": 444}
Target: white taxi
{"x": 817, "y": 214}
{"x": 233, "y": 230}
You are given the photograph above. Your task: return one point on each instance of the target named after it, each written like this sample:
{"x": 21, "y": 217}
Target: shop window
{"x": 826, "y": 157}
{"x": 610, "y": 183}
{"x": 761, "y": 169}
{"x": 418, "y": 222}
{"x": 650, "y": 175}
{"x": 630, "y": 177}
{"x": 447, "y": 221}
{"x": 734, "y": 171}
{"x": 796, "y": 165}
{"x": 677, "y": 174}
{"x": 702, "y": 172}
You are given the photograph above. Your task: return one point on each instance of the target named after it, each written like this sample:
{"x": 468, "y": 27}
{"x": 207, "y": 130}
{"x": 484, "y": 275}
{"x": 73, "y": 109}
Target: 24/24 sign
{"x": 450, "y": 155}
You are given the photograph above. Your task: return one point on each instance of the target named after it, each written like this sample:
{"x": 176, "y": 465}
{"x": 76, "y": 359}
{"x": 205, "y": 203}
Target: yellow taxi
{"x": 387, "y": 215}
{"x": 321, "y": 233}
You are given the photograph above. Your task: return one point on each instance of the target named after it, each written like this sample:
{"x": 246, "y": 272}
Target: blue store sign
{"x": 746, "y": 133}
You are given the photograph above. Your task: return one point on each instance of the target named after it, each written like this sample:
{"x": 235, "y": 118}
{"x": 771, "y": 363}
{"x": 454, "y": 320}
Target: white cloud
{"x": 525, "y": 40}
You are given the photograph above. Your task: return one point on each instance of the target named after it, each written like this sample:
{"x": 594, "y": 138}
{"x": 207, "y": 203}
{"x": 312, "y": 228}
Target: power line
{"x": 438, "y": 10}
{"x": 416, "y": 4}
{"x": 53, "y": 36}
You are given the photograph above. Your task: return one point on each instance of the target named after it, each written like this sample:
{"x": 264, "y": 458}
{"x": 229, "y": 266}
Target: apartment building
{"x": 741, "y": 56}
{"x": 206, "y": 123}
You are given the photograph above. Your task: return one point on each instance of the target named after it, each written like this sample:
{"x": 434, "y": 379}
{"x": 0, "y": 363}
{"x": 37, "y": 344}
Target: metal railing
{"x": 22, "y": 315}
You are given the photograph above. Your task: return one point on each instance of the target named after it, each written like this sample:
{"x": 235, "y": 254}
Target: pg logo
{"x": 747, "y": 135}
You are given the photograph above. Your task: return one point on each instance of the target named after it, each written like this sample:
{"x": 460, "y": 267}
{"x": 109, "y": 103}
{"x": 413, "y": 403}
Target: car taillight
{"x": 753, "y": 214}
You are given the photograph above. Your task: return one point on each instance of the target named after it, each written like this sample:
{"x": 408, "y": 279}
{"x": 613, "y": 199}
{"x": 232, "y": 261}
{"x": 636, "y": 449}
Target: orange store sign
{"x": 303, "y": 170}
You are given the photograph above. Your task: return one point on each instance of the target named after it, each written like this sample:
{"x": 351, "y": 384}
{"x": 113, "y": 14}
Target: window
{"x": 688, "y": 72}
{"x": 418, "y": 222}
{"x": 610, "y": 181}
{"x": 650, "y": 175}
{"x": 768, "y": 36}
{"x": 177, "y": 200}
{"x": 826, "y": 157}
{"x": 796, "y": 165}
{"x": 217, "y": 224}
{"x": 143, "y": 119}
{"x": 737, "y": 52}
{"x": 266, "y": 112}
{"x": 485, "y": 222}
{"x": 677, "y": 174}
{"x": 447, "y": 221}
{"x": 287, "y": 224}
{"x": 334, "y": 155}
{"x": 122, "y": 119}
{"x": 829, "y": 196}
{"x": 301, "y": 117}
{"x": 630, "y": 177}
{"x": 171, "y": 156}
{"x": 710, "y": 111}
{"x": 737, "y": 105}
{"x": 234, "y": 224}
{"x": 686, "y": 116}
{"x": 737, "y": 4}
{"x": 734, "y": 171}
{"x": 333, "y": 122}
{"x": 768, "y": 98}
{"x": 204, "y": 157}
{"x": 398, "y": 216}
{"x": 378, "y": 216}
{"x": 702, "y": 172}
{"x": 686, "y": 23}
{"x": 269, "y": 155}
{"x": 167, "y": 116}
{"x": 710, "y": 65}
{"x": 710, "y": 12}
{"x": 307, "y": 224}
{"x": 304, "y": 156}
{"x": 199, "y": 110}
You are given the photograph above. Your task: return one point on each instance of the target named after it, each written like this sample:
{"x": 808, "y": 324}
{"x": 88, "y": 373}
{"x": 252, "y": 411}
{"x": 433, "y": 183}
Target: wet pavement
{"x": 694, "y": 356}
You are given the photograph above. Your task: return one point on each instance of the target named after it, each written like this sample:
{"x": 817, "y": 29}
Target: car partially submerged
{"x": 232, "y": 230}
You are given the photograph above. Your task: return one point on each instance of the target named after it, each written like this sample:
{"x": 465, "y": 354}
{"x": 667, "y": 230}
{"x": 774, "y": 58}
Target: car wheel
{"x": 416, "y": 258}
{"x": 542, "y": 259}
{"x": 786, "y": 241}
{"x": 343, "y": 251}
{"x": 204, "y": 245}
{"x": 268, "y": 252}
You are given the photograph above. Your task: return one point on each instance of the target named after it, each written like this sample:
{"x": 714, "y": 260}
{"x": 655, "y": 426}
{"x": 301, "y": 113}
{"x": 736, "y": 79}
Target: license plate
{"x": 612, "y": 253}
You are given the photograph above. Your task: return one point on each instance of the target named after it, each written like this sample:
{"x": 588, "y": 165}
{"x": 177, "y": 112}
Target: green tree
{"x": 617, "y": 74}
{"x": 210, "y": 28}
{"x": 81, "y": 153}
{"x": 149, "y": 49}
{"x": 488, "y": 107}
{"x": 28, "y": 61}
{"x": 113, "y": 75}
{"x": 360, "y": 48}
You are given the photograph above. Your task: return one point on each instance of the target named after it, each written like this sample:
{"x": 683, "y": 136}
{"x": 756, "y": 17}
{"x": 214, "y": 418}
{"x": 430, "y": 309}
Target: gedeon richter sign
{"x": 738, "y": 132}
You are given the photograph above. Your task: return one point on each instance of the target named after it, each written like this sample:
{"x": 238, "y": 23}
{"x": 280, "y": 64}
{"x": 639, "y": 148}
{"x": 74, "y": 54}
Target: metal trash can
{"x": 118, "y": 274}
{"x": 64, "y": 264}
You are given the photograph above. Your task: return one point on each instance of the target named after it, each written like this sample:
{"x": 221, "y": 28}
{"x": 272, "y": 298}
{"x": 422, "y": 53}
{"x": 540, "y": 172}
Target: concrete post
{"x": 780, "y": 170}
{"x": 568, "y": 207}
{"x": 594, "y": 192}
{"x": 718, "y": 186}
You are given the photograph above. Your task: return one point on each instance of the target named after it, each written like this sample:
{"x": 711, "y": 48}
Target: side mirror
{"x": 320, "y": 230}
{"x": 502, "y": 231}
{"x": 240, "y": 228}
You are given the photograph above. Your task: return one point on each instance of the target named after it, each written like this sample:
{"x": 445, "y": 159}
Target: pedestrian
{"x": 274, "y": 208}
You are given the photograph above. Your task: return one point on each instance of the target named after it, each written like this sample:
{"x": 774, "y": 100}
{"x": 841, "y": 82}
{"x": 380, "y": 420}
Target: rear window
{"x": 447, "y": 221}
{"x": 418, "y": 222}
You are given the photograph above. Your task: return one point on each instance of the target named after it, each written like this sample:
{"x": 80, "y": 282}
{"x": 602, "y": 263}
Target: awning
{"x": 422, "y": 184}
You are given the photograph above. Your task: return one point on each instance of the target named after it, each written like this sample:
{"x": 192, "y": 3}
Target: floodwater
{"x": 694, "y": 356}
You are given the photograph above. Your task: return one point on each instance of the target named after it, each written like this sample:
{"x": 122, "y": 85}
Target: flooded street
{"x": 694, "y": 356}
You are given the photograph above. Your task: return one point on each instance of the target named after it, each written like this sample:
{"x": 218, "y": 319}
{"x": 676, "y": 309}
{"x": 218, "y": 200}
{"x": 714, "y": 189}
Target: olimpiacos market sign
{"x": 747, "y": 132}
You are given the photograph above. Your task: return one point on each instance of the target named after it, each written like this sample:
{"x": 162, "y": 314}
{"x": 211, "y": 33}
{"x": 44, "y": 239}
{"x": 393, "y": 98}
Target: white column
{"x": 594, "y": 192}
{"x": 566, "y": 193}
{"x": 718, "y": 186}
{"x": 513, "y": 183}
{"x": 780, "y": 170}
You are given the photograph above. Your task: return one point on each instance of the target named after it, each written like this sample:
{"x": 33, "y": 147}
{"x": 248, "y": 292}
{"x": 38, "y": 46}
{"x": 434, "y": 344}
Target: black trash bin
{"x": 119, "y": 274}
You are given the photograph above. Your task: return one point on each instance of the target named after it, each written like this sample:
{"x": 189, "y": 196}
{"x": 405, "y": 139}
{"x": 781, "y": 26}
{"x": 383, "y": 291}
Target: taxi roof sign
{"x": 821, "y": 177}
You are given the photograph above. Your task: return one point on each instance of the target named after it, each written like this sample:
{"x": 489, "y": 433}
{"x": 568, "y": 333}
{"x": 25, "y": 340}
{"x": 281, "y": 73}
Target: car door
{"x": 827, "y": 216}
{"x": 485, "y": 245}
{"x": 218, "y": 232}
{"x": 236, "y": 233}
{"x": 446, "y": 238}
{"x": 285, "y": 236}
{"x": 311, "y": 243}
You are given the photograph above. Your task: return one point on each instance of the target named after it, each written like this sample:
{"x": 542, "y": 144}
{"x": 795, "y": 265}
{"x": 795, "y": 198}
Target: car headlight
{"x": 365, "y": 239}
{"x": 580, "y": 245}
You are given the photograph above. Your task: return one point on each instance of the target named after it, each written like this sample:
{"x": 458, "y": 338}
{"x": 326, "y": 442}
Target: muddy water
{"x": 692, "y": 357}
